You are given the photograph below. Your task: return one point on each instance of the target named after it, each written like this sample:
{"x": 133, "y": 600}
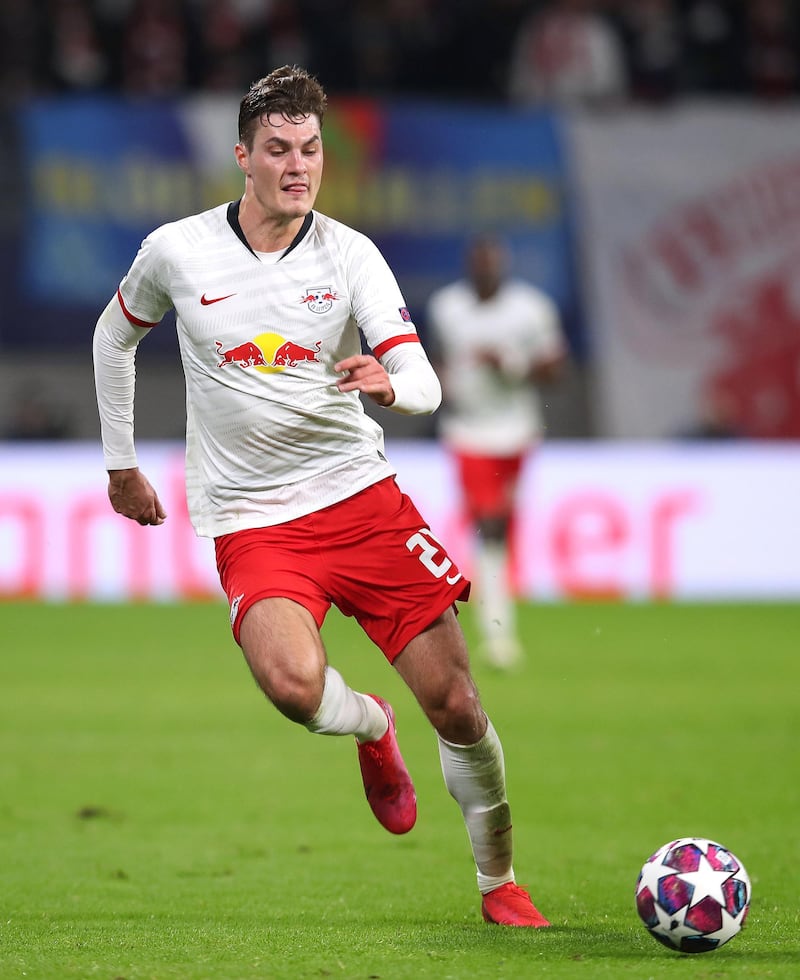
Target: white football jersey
{"x": 485, "y": 410}
{"x": 269, "y": 436}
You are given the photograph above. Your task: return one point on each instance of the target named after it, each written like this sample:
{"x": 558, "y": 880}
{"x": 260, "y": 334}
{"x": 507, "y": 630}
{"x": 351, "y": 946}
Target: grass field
{"x": 158, "y": 819}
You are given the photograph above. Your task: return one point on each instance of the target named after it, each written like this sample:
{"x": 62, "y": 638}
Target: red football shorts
{"x": 371, "y": 555}
{"x": 488, "y": 483}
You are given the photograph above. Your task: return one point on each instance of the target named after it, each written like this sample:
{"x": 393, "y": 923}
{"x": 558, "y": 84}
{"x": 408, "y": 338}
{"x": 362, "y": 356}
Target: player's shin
{"x": 495, "y": 605}
{"x": 475, "y": 778}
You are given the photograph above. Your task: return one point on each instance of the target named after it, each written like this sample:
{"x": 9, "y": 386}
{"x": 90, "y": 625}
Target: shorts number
{"x": 430, "y": 549}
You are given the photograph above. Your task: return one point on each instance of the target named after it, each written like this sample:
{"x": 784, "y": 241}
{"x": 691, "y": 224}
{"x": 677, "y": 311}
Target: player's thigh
{"x": 283, "y": 648}
{"x": 435, "y": 666}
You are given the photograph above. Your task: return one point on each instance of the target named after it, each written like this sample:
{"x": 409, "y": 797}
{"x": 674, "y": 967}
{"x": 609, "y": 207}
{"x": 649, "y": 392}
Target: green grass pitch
{"x": 158, "y": 819}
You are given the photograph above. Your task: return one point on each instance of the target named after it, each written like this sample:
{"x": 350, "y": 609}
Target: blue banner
{"x": 418, "y": 178}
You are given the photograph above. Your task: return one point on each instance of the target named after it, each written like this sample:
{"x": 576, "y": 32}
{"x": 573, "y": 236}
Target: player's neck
{"x": 486, "y": 291}
{"x": 265, "y": 233}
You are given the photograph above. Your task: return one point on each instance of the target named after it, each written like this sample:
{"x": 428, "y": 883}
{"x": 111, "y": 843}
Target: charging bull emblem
{"x": 290, "y": 354}
{"x": 268, "y": 353}
{"x": 319, "y": 299}
{"x": 245, "y": 355}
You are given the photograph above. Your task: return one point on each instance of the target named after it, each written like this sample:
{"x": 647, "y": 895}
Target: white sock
{"x": 343, "y": 711}
{"x": 475, "y": 777}
{"x": 495, "y": 607}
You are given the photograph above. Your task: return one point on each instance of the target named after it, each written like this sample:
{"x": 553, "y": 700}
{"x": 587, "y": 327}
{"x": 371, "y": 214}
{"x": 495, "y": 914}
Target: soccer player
{"x": 497, "y": 339}
{"x": 288, "y": 475}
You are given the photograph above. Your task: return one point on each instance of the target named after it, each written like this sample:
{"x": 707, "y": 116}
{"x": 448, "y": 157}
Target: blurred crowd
{"x": 587, "y": 52}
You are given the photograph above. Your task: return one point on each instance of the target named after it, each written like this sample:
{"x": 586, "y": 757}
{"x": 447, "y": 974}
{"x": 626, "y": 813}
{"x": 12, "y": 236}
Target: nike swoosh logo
{"x": 216, "y": 299}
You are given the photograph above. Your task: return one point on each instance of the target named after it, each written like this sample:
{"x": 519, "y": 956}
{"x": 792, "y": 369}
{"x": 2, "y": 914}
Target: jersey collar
{"x": 233, "y": 221}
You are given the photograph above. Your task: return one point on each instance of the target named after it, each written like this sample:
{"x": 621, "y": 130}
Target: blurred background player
{"x": 497, "y": 338}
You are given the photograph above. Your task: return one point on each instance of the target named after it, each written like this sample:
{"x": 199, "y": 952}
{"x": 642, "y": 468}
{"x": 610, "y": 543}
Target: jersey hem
{"x": 212, "y": 529}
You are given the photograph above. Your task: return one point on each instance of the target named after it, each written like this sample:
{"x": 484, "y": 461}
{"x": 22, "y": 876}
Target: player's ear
{"x": 242, "y": 158}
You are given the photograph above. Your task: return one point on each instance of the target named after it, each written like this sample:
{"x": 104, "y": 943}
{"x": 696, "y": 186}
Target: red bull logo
{"x": 267, "y": 353}
{"x": 319, "y": 299}
{"x": 245, "y": 355}
{"x": 290, "y": 354}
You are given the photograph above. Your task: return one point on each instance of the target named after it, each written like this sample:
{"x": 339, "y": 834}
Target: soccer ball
{"x": 693, "y": 895}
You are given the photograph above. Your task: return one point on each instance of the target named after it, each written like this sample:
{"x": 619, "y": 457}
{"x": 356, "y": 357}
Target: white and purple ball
{"x": 693, "y": 895}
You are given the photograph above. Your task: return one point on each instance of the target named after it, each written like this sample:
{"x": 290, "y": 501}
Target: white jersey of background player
{"x": 497, "y": 338}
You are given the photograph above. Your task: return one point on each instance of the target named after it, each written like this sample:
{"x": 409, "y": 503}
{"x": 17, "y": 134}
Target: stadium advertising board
{"x": 612, "y": 521}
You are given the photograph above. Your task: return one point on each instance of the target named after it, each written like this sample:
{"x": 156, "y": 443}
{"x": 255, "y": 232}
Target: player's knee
{"x": 493, "y": 529}
{"x": 455, "y": 711}
{"x": 297, "y": 696}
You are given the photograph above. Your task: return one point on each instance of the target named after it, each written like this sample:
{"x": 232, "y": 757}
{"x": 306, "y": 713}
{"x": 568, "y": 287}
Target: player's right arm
{"x": 114, "y": 351}
{"x": 132, "y": 496}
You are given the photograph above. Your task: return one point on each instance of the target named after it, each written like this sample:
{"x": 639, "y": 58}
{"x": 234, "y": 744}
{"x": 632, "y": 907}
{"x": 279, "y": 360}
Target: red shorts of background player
{"x": 488, "y": 483}
{"x": 371, "y": 555}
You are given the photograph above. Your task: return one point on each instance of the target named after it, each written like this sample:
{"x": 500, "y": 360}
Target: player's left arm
{"x": 398, "y": 374}
{"x": 403, "y": 380}
{"x": 547, "y": 347}
{"x": 550, "y": 368}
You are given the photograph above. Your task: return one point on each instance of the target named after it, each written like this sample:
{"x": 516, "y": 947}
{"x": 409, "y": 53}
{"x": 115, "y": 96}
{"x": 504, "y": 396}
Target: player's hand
{"x": 132, "y": 496}
{"x": 491, "y": 359}
{"x": 365, "y": 373}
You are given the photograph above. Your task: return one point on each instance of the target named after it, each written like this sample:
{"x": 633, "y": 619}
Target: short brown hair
{"x": 290, "y": 91}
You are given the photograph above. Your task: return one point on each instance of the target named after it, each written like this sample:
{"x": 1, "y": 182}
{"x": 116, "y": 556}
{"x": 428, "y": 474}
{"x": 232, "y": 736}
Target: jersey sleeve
{"x": 541, "y": 341}
{"x": 141, "y": 302}
{"x": 417, "y": 390}
{"x": 114, "y": 353}
{"x": 385, "y": 323}
{"x": 378, "y": 304}
{"x": 143, "y": 293}
{"x": 551, "y": 341}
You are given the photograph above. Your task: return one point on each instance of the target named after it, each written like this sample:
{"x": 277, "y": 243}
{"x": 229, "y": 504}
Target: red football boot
{"x": 390, "y": 792}
{"x": 510, "y": 905}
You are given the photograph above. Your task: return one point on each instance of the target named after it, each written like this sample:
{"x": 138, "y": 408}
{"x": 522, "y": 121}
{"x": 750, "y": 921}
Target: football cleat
{"x": 510, "y": 905}
{"x": 387, "y": 784}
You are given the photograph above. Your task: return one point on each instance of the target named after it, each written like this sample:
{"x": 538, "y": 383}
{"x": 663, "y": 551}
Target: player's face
{"x": 284, "y": 168}
{"x": 486, "y": 263}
